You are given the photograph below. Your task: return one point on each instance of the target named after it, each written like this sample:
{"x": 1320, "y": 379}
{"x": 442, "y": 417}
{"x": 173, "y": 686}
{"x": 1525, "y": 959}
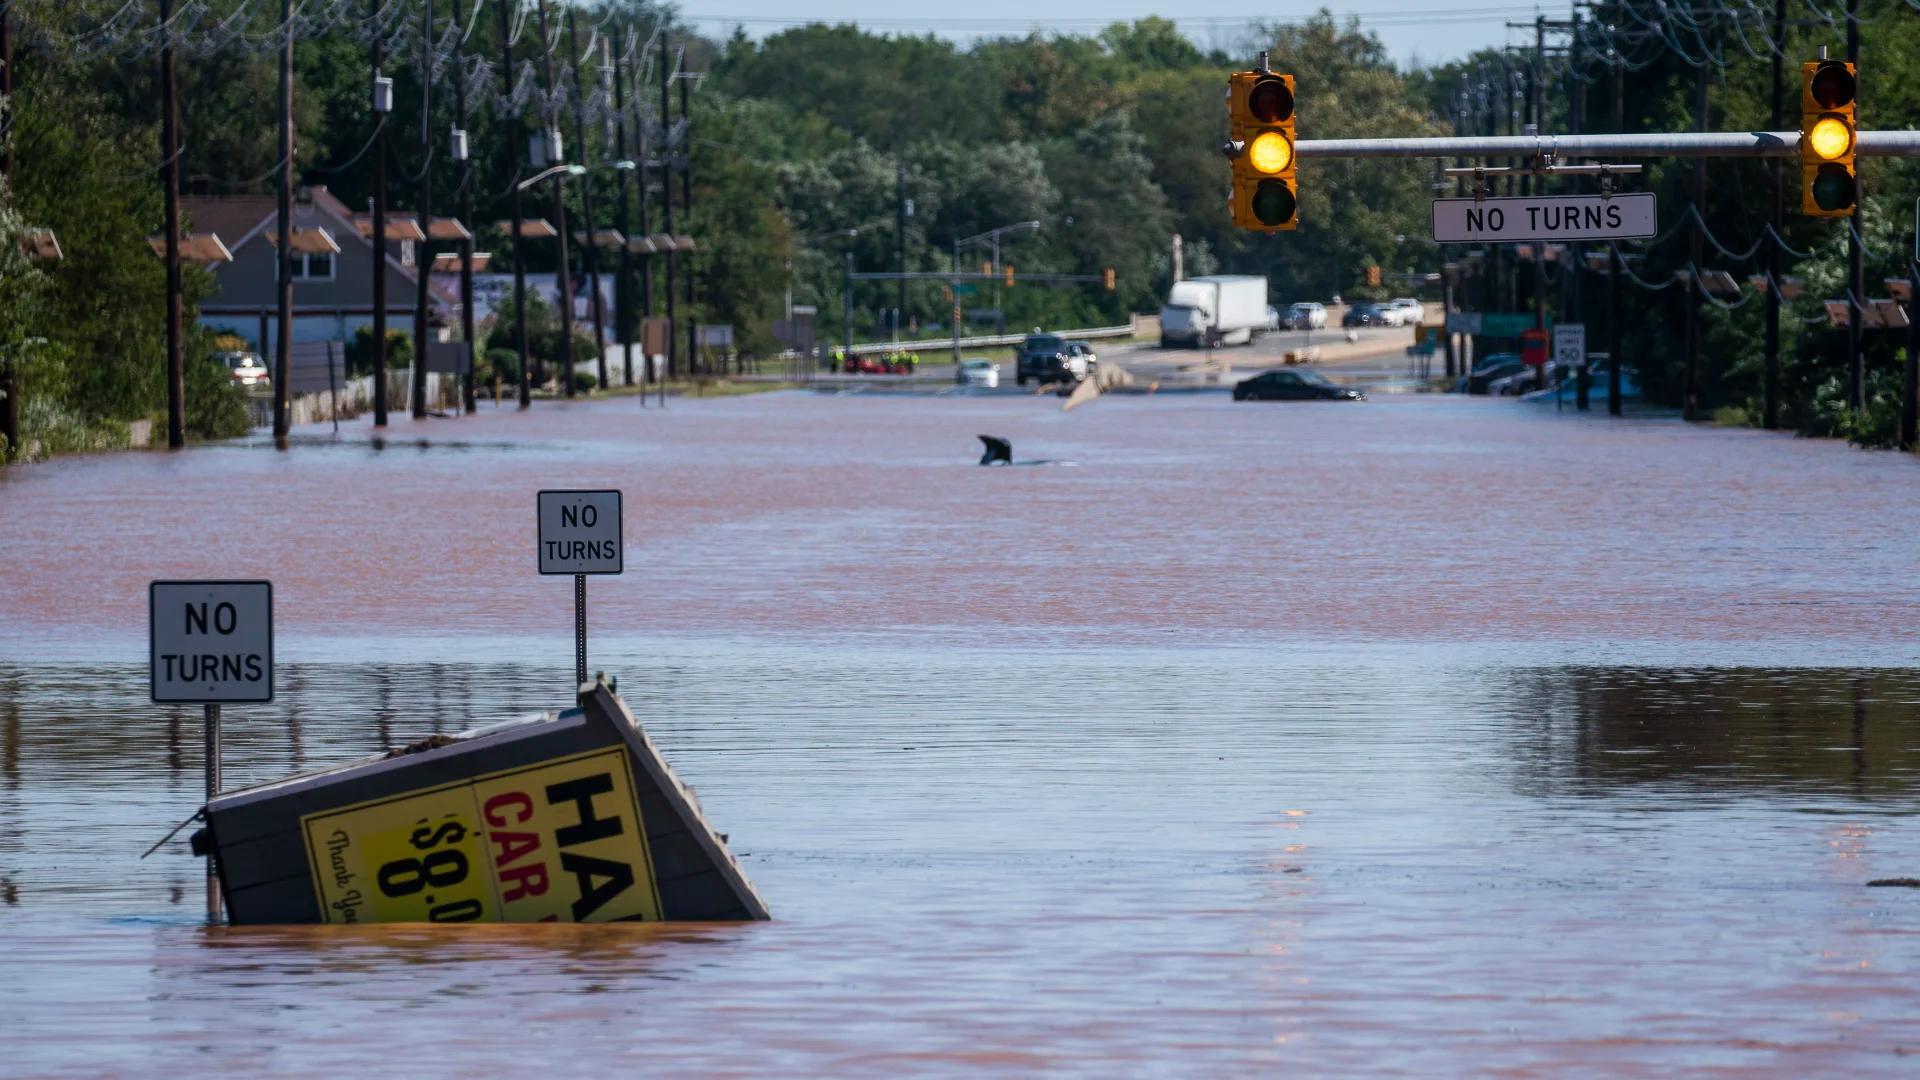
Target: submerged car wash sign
{"x": 580, "y": 532}
{"x": 210, "y": 642}
{"x": 559, "y": 841}
{"x": 1560, "y": 217}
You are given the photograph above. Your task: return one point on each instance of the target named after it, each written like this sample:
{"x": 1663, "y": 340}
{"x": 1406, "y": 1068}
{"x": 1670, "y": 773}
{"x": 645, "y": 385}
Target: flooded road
{"x": 1425, "y": 736}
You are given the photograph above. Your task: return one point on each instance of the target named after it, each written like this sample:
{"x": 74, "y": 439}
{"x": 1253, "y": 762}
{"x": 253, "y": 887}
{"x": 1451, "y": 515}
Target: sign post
{"x": 210, "y": 642}
{"x": 1570, "y": 354}
{"x": 580, "y": 535}
{"x": 1619, "y": 216}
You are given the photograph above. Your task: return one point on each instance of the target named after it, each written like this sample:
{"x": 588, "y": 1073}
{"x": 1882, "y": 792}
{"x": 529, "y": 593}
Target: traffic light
{"x": 1828, "y": 187}
{"x": 1107, "y": 275}
{"x": 1008, "y": 267}
{"x": 1373, "y": 275}
{"x": 1260, "y": 146}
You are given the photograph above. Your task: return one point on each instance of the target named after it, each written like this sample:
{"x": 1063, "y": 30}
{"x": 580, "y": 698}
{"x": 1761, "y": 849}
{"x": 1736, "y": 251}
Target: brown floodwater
{"x": 1424, "y": 736}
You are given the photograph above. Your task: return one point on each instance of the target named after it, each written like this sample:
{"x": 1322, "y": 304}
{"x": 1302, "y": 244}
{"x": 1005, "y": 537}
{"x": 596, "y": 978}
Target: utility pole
{"x": 1576, "y": 274}
{"x": 642, "y": 147}
{"x": 170, "y": 177}
{"x": 283, "y": 349}
{"x": 1770, "y": 376}
{"x": 513, "y": 194}
{"x": 1690, "y": 406}
{"x": 590, "y": 254}
{"x": 9, "y": 372}
{"x": 624, "y": 324}
{"x": 1856, "y": 280}
{"x": 423, "y": 261}
{"x": 846, "y": 306}
{"x": 1617, "y": 266}
{"x": 900, "y": 239}
{"x": 466, "y": 212}
{"x": 666, "y": 198}
{"x": 1910, "y": 376}
{"x": 1534, "y": 80}
{"x": 550, "y": 122}
{"x": 686, "y": 203}
{"x": 379, "y": 179}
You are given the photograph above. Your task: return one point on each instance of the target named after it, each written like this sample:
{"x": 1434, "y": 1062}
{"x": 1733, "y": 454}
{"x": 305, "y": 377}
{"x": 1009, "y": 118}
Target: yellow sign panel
{"x": 560, "y": 841}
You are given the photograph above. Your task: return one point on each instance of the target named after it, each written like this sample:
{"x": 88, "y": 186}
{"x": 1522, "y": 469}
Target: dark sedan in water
{"x": 1366, "y": 315}
{"x": 1294, "y": 386}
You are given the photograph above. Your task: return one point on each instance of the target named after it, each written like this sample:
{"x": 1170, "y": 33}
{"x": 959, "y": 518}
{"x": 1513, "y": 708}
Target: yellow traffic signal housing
{"x": 1829, "y": 187}
{"x": 1373, "y": 275}
{"x": 1008, "y": 267}
{"x": 1107, "y": 275}
{"x": 1260, "y": 146}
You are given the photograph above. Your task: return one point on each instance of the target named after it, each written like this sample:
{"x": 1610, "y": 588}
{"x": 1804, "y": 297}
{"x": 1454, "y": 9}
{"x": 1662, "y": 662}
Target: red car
{"x": 898, "y": 363}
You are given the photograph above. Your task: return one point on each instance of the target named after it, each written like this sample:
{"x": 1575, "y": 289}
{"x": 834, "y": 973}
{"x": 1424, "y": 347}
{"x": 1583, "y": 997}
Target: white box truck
{"x": 1221, "y": 310}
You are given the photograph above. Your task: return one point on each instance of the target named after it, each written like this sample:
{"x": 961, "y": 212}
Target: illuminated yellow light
{"x": 1830, "y": 138}
{"x": 1270, "y": 152}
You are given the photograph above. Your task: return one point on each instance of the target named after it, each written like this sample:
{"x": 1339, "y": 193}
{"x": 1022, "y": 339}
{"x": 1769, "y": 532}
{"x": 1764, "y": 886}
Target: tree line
{"x": 804, "y": 148}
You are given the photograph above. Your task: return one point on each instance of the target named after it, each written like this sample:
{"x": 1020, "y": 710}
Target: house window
{"x": 316, "y": 267}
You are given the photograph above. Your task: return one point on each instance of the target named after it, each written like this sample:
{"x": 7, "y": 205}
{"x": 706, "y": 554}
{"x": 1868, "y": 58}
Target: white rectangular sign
{"x": 210, "y": 641}
{"x": 1557, "y": 217}
{"x": 580, "y": 532}
{"x": 1569, "y": 345}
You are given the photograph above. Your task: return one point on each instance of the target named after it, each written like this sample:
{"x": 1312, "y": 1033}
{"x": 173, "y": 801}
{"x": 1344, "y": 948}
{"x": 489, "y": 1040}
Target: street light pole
{"x": 519, "y": 249}
{"x": 423, "y": 261}
{"x": 170, "y": 176}
{"x": 550, "y": 125}
{"x": 283, "y": 349}
{"x": 382, "y": 107}
{"x": 590, "y": 254}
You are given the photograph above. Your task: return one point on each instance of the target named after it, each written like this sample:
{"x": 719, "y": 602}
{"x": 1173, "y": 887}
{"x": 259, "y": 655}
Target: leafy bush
{"x": 502, "y": 364}
{"x": 1875, "y": 427}
{"x": 216, "y": 408}
{"x": 360, "y": 351}
{"x": 585, "y": 381}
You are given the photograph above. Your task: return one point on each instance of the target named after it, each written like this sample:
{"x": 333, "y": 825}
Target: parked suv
{"x": 1047, "y": 358}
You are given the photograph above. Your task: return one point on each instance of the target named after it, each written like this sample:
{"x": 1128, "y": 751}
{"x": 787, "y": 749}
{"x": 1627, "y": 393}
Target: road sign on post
{"x": 1569, "y": 345}
{"x": 1623, "y": 216}
{"x": 210, "y": 642}
{"x": 580, "y": 535}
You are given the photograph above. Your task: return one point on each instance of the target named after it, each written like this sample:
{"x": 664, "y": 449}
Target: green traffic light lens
{"x": 1832, "y": 86}
{"x": 1833, "y": 188}
{"x": 1273, "y": 202}
{"x": 1270, "y": 101}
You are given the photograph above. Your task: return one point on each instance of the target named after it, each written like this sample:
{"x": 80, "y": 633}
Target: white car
{"x": 1412, "y": 312}
{"x": 977, "y": 372}
{"x": 247, "y": 368}
{"x": 1307, "y": 316}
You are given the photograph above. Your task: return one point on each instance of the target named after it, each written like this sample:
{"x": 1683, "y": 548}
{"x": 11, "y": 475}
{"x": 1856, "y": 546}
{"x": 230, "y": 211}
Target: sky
{"x": 1430, "y": 31}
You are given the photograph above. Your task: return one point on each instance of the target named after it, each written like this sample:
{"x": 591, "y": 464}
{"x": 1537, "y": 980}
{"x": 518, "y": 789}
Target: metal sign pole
{"x": 213, "y": 788}
{"x": 579, "y": 628}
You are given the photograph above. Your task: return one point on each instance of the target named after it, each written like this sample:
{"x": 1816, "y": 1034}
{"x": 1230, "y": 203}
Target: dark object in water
{"x": 570, "y": 816}
{"x": 1897, "y": 882}
{"x": 998, "y": 449}
{"x": 431, "y": 742}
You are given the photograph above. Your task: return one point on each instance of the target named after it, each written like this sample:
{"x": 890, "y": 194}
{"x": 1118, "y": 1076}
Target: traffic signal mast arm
{"x": 1730, "y": 144}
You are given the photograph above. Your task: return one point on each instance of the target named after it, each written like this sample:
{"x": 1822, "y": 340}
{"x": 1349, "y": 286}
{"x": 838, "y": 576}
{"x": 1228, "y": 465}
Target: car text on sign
{"x": 1559, "y": 217}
